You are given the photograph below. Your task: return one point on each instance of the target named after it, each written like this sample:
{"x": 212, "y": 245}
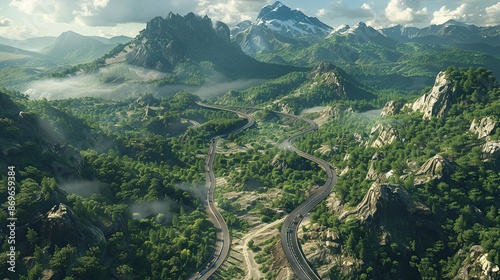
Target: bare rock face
{"x": 491, "y": 148}
{"x": 324, "y": 75}
{"x": 483, "y": 128}
{"x": 477, "y": 266}
{"x": 391, "y": 108}
{"x": 438, "y": 101}
{"x": 385, "y": 135}
{"x": 61, "y": 226}
{"x": 372, "y": 175}
{"x": 384, "y": 197}
{"x": 434, "y": 168}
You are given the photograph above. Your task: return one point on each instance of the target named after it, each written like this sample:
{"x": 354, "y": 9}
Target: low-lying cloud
{"x": 165, "y": 207}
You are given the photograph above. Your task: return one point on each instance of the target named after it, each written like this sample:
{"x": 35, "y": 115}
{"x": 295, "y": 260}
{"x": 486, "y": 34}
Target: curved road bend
{"x": 288, "y": 235}
{"x": 222, "y": 239}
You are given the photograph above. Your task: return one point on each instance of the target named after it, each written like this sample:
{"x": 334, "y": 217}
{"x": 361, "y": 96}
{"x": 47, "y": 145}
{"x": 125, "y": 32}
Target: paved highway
{"x": 289, "y": 239}
{"x": 222, "y": 240}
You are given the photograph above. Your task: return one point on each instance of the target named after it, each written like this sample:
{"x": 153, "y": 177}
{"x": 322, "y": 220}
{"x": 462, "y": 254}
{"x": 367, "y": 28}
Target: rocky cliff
{"x": 391, "y": 108}
{"x": 383, "y": 134}
{"x": 484, "y": 127}
{"x": 438, "y": 101}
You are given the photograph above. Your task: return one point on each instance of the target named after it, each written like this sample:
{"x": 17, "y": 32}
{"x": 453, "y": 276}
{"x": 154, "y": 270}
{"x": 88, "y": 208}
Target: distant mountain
{"x": 73, "y": 48}
{"x": 113, "y": 40}
{"x": 360, "y": 34}
{"x": 459, "y": 34}
{"x": 177, "y": 43}
{"x": 278, "y": 27}
{"x": 36, "y": 44}
{"x": 30, "y": 44}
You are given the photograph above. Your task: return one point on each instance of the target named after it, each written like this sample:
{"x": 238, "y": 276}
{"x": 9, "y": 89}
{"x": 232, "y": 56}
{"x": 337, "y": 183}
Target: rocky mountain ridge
{"x": 168, "y": 43}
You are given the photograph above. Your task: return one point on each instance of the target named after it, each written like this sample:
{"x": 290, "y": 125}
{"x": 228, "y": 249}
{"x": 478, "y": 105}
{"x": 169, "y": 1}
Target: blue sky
{"x": 32, "y": 18}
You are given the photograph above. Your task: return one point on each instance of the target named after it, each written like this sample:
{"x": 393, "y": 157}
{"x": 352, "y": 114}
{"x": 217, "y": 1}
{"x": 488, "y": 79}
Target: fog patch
{"x": 215, "y": 89}
{"x": 117, "y": 81}
{"x": 161, "y": 210}
{"x": 196, "y": 191}
{"x": 371, "y": 114}
{"x": 315, "y": 109}
{"x": 84, "y": 188}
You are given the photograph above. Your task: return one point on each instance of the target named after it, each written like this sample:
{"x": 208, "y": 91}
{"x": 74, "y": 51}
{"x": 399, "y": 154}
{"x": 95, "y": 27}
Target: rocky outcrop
{"x": 435, "y": 167}
{"x": 438, "y": 101}
{"x": 384, "y": 198}
{"x": 477, "y": 266}
{"x": 372, "y": 174}
{"x": 484, "y": 127}
{"x": 383, "y": 134}
{"x": 491, "y": 148}
{"x": 391, "y": 108}
{"x": 326, "y": 150}
{"x": 61, "y": 226}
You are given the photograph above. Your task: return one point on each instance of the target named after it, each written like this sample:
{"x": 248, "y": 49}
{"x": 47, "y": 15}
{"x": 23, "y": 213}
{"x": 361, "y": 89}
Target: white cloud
{"x": 102, "y": 12}
{"x": 466, "y": 12}
{"x": 461, "y": 13}
{"x": 339, "y": 9}
{"x": 322, "y": 13}
{"x": 405, "y": 11}
{"x": 52, "y": 10}
{"x": 4, "y": 22}
{"x": 113, "y": 12}
{"x": 230, "y": 11}
{"x": 493, "y": 14}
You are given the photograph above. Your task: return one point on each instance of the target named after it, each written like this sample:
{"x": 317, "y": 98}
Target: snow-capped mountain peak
{"x": 291, "y": 23}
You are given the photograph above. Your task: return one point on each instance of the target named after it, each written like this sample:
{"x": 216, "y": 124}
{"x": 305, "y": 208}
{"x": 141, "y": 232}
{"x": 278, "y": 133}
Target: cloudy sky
{"x": 32, "y": 18}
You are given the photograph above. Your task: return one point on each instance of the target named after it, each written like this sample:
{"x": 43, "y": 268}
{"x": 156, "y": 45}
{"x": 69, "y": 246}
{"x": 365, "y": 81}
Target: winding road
{"x": 222, "y": 239}
{"x": 289, "y": 239}
{"x": 288, "y": 234}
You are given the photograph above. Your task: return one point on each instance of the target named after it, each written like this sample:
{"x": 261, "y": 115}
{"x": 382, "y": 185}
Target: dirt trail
{"x": 252, "y": 267}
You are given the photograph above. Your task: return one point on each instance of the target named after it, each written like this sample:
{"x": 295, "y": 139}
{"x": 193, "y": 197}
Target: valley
{"x": 274, "y": 148}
